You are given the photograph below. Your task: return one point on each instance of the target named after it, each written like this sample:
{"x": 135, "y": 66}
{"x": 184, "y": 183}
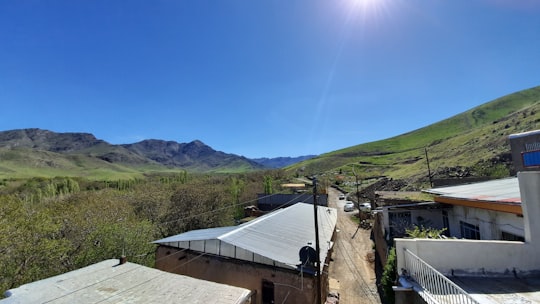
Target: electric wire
{"x": 166, "y": 256}
{"x": 177, "y": 252}
{"x": 216, "y": 210}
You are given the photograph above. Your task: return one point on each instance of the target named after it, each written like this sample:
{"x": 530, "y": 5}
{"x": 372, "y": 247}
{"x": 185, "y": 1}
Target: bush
{"x": 389, "y": 276}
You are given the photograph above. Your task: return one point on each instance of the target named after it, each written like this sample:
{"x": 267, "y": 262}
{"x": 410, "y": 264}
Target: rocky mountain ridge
{"x": 195, "y": 155}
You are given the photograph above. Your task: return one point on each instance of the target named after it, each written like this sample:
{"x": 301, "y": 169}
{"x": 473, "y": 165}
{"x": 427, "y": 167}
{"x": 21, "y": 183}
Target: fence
{"x": 436, "y": 288}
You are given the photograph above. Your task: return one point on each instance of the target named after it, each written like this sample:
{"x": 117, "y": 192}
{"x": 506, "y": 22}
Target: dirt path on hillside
{"x": 352, "y": 271}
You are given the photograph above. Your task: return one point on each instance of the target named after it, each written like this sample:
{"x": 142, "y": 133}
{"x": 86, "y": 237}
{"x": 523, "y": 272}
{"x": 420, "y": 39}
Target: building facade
{"x": 273, "y": 255}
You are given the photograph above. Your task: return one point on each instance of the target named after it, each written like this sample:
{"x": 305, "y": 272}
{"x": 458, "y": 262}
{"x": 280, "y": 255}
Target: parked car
{"x": 365, "y": 207}
{"x": 349, "y": 206}
{"x": 342, "y": 196}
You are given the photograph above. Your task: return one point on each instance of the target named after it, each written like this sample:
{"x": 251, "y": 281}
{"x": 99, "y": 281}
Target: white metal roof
{"x": 198, "y": 235}
{"x": 108, "y": 282}
{"x": 502, "y": 190}
{"x": 278, "y": 236}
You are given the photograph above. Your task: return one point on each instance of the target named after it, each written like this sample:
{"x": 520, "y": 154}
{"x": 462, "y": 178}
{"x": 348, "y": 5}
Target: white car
{"x": 365, "y": 207}
{"x": 349, "y": 206}
{"x": 342, "y": 196}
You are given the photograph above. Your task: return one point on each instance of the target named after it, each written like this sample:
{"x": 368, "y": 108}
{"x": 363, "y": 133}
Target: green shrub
{"x": 389, "y": 276}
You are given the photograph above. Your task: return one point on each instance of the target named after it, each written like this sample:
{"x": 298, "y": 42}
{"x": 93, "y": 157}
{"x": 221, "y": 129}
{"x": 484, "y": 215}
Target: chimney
{"x": 123, "y": 260}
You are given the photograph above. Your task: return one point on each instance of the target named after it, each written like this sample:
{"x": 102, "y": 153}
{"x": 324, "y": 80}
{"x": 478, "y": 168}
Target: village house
{"x": 492, "y": 252}
{"x": 272, "y": 202}
{"x": 119, "y": 281}
{"x": 273, "y": 255}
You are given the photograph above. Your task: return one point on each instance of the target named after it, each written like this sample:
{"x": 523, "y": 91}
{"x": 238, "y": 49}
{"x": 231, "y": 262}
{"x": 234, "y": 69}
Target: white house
{"x": 495, "y": 257}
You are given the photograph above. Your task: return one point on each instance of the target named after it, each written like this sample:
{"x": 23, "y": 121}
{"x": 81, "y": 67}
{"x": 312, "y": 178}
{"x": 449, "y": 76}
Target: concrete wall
{"x": 379, "y": 234}
{"x": 490, "y": 223}
{"x": 288, "y": 285}
{"x": 470, "y": 256}
{"x": 486, "y": 257}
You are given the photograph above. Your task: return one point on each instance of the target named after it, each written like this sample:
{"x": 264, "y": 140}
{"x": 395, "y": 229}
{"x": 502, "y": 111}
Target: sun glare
{"x": 364, "y": 4}
{"x": 368, "y": 11}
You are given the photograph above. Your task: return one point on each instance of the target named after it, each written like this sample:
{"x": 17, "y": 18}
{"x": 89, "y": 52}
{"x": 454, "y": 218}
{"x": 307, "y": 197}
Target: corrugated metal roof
{"x": 278, "y": 236}
{"x": 198, "y": 235}
{"x": 267, "y": 202}
{"x": 108, "y": 282}
{"x": 500, "y": 191}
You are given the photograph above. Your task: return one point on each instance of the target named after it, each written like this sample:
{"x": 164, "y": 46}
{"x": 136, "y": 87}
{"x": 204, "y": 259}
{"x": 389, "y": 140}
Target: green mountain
{"x": 470, "y": 144}
{"x": 36, "y": 152}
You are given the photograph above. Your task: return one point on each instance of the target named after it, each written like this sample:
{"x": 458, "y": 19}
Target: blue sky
{"x": 259, "y": 78}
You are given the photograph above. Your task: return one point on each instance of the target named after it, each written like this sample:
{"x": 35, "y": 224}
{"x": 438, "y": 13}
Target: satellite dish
{"x": 308, "y": 255}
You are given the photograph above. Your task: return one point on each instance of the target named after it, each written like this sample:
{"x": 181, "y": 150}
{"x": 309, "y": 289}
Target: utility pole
{"x": 357, "y": 195}
{"x": 428, "y": 169}
{"x": 317, "y": 248}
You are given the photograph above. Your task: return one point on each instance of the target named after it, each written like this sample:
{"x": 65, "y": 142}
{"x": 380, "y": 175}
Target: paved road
{"x": 352, "y": 272}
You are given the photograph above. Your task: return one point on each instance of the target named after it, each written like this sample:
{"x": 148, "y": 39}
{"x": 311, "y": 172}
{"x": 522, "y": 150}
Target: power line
{"x": 215, "y": 210}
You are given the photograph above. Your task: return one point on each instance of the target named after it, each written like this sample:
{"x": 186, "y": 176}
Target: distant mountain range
{"x": 281, "y": 162}
{"x": 470, "y": 144}
{"x": 38, "y": 151}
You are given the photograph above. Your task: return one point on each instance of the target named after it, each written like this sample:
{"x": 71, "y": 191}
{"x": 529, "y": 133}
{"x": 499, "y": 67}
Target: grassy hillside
{"x": 474, "y": 139}
{"x": 26, "y": 163}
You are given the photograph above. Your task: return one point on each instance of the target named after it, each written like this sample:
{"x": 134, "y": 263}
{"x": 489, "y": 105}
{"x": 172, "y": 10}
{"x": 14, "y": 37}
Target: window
{"x": 399, "y": 222}
{"x": 506, "y": 236}
{"x": 469, "y": 231}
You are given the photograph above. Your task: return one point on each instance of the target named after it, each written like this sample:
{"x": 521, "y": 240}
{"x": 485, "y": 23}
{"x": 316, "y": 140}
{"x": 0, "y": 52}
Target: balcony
{"x": 469, "y": 271}
{"x": 430, "y": 284}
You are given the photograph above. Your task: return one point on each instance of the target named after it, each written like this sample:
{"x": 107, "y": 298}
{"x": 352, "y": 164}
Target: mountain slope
{"x": 281, "y": 162}
{"x": 475, "y": 139}
{"x": 194, "y": 155}
{"x": 36, "y": 152}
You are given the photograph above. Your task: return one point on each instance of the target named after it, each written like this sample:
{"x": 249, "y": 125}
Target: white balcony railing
{"x": 431, "y": 285}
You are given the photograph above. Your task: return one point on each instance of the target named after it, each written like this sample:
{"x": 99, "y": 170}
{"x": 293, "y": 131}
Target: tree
{"x": 198, "y": 205}
{"x": 103, "y": 225}
{"x": 268, "y": 184}
{"x": 30, "y": 246}
{"x": 236, "y": 188}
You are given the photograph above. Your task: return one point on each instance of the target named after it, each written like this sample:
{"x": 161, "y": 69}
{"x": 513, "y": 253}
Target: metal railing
{"x": 436, "y": 288}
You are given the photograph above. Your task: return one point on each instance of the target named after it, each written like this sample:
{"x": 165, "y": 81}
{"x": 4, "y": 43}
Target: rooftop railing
{"x": 433, "y": 286}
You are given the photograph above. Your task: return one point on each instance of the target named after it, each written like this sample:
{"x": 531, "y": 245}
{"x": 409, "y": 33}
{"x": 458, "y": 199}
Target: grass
{"x": 467, "y": 139}
{"x": 477, "y": 135}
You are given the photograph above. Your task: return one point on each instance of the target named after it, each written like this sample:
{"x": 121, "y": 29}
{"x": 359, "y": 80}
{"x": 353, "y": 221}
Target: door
{"x": 267, "y": 292}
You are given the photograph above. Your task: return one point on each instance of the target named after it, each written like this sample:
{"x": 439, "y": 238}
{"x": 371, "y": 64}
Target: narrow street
{"x": 352, "y": 271}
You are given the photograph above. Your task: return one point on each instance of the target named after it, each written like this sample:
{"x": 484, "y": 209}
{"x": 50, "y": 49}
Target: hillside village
{"x": 286, "y": 237}
{"x": 273, "y": 258}
{"x": 270, "y": 152}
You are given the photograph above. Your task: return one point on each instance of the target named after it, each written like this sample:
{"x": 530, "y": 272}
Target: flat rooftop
{"x": 501, "y": 290}
{"x": 109, "y": 282}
